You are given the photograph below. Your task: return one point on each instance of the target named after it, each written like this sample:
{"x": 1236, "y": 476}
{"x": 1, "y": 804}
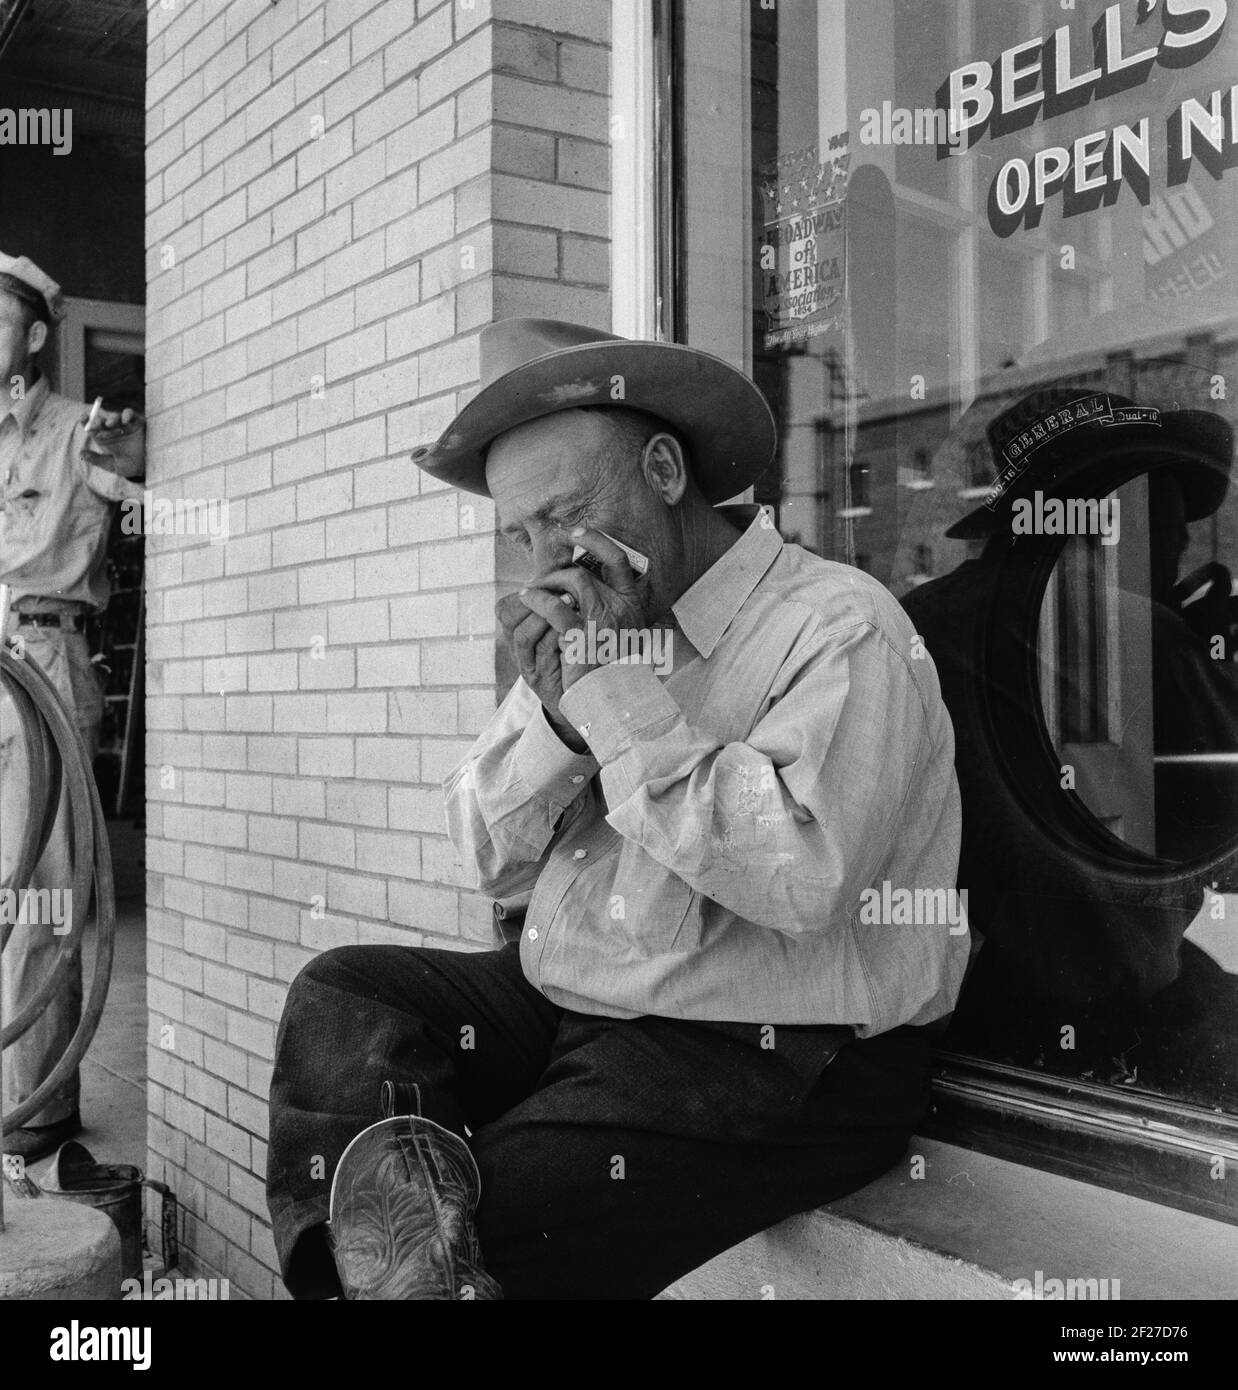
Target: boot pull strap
{"x": 400, "y": 1098}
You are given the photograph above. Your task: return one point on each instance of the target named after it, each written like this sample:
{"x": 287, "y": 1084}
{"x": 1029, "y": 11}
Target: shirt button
{"x": 532, "y": 933}
{"x": 580, "y": 853}
{"x": 578, "y": 778}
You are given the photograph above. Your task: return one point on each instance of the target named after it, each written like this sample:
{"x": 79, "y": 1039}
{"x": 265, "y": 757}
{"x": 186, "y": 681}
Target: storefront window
{"x": 979, "y": 258}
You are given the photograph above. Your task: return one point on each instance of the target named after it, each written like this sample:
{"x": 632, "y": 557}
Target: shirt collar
{"x": 707, "y": 609}
{"x": 25, "y": 411}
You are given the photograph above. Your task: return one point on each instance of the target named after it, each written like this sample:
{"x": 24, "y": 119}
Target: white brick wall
{"x": 340, "y": 194}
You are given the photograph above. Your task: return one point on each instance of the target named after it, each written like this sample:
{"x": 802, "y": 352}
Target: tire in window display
{"x": 1081, "y": 931}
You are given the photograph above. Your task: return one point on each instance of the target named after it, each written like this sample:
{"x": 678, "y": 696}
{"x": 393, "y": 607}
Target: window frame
{"x": 83, "y": 316}
{"x": 1147, "y": 1145}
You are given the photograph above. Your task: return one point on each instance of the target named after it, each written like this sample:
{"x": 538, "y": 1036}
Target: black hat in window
{"x": 1073, "y": 440}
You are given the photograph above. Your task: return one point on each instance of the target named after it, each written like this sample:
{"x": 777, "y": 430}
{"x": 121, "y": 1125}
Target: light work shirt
{"x": 55, "y": 509}
{"x": 708, "y": 857}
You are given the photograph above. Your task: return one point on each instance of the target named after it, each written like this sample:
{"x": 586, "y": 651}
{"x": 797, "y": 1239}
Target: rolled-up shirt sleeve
{"x": 787, "y": 827}
{"x": 111, "y": 487}
{"x": 105, "y": 483}
{"x": 518, "y": 789}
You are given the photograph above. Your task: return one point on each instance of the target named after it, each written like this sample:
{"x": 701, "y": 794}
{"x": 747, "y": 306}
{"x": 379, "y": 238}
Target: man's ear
{"x": 665, "y": 469}
{"x": 36, "y": 337}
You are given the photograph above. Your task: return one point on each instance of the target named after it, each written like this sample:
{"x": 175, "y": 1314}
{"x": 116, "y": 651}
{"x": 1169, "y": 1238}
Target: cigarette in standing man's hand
{"x": 93, "y": 417}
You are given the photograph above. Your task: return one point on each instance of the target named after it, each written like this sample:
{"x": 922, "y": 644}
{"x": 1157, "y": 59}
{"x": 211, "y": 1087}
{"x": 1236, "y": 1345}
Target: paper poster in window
{"x": 803, "y": 251}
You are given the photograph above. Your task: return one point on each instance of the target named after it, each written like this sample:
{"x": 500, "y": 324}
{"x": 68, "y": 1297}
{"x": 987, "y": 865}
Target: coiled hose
{"x": 56, "y": 755}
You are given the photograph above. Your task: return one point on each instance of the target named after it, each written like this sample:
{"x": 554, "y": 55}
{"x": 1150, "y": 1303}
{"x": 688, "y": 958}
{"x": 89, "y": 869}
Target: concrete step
{"x": 969, "y": 1229}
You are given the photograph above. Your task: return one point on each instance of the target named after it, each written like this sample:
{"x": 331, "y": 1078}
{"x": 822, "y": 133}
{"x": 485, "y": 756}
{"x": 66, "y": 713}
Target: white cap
{"x": 24, "y": 269}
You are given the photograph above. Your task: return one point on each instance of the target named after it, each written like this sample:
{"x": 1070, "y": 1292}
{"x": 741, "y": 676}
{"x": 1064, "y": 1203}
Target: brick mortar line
{"x": 251, "y": 454}
{"x": 492, "y": 173}
{"x": 502, "y": 123}
{"x": 355, "y": 919}
{"x": 293, "y": 153}
{"x": 559, "y": 35}
{"x": 179, "y": 334}
{"x": 319, "y": 96}
{"x": 304, "y": 108}
{"x": 555, "y": 84}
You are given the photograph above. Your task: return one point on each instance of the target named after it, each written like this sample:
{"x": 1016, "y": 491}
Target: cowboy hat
{"x": 1067, "y": 439}
{"x": 531, "y": 368}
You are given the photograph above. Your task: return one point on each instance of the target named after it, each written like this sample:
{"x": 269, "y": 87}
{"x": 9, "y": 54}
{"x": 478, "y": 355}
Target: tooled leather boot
{"x": 401, "y": 1217}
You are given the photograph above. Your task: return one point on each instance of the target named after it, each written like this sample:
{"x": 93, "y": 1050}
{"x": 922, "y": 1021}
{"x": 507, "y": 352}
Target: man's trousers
{"x": 64, "y": 658}
{"x": 615, "y": 1154}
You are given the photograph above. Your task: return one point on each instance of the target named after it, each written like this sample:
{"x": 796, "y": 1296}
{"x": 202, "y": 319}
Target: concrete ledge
{"x": 968, "y": 1229}
{"x": 53, "y": 1250}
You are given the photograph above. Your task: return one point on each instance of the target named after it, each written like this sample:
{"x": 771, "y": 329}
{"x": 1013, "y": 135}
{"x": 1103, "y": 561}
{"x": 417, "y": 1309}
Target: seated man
{"x": 721, "y": 752}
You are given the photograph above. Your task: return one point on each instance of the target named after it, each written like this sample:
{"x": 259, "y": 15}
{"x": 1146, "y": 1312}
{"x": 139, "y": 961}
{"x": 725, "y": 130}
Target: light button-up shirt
{"x": 708, "y": 857}
{"x": 54, "y": 508}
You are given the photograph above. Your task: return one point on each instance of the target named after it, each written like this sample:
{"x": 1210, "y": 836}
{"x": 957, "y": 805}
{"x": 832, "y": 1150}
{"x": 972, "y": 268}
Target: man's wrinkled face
{"x": 552, "y": 475}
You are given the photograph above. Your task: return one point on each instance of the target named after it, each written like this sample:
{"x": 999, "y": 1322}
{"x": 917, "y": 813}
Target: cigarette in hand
{"x": 93, "y": 419}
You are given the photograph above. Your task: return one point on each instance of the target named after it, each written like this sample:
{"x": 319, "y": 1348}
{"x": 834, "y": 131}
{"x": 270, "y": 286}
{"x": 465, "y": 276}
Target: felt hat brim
{"x": 724, "y": 419}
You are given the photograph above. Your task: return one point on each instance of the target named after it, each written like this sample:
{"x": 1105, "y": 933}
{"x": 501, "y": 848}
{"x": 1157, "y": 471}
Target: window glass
{"x": 977, "y": 256}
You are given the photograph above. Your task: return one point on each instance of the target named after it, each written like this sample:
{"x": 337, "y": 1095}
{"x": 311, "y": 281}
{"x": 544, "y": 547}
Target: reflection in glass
{"x": 1087, "y": 654}
{"x": 1108, "y": 709}
{"x": 1138, "y": 685}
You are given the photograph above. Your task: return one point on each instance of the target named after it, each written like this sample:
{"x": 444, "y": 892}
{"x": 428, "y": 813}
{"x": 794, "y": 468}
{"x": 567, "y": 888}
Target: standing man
{"x": 61, "y": 472}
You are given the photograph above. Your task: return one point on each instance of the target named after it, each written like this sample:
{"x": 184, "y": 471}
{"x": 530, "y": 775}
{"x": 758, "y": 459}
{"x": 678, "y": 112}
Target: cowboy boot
{"x": 400, "y": 1224}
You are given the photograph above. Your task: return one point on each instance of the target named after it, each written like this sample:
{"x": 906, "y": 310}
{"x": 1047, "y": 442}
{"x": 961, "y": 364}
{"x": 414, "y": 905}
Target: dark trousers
{"x": 615, "y": 1154}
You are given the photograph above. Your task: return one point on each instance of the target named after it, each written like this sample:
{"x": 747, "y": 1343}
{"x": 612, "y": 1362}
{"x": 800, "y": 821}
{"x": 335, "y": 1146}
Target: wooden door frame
{"x": 81, "y": 317}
